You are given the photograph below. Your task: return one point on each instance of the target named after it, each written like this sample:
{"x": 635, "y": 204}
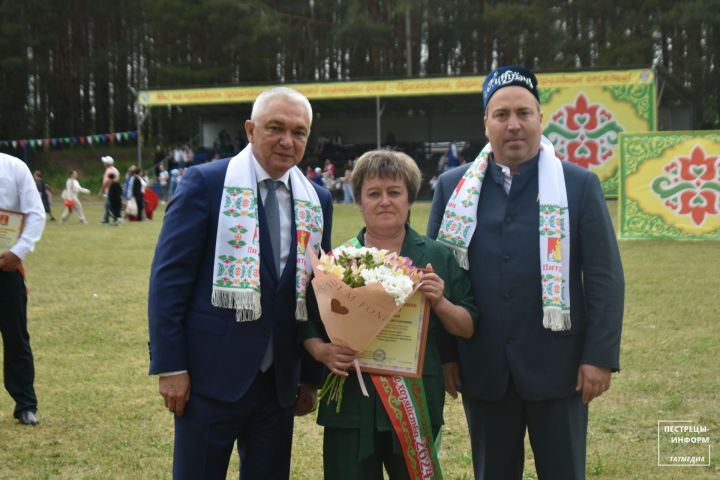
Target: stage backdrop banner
{"x": 584, "y": 111}
{"x": 584, "y": 118}
{"x": 670, "y": 185}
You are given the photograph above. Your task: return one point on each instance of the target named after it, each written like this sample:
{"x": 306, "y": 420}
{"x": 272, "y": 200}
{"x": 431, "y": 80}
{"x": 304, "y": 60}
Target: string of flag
{"x": 96, "y": 139}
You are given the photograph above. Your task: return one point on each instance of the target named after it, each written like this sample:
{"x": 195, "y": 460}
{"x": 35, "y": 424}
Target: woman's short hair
{"x": 386, "y": 164}
{"x": 284, "y": 93}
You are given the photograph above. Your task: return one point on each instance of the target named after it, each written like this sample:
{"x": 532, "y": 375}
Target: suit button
{"x": 508, "y": 220}
{"x": 507, "y": 297}
{"x": 506, "y": 258}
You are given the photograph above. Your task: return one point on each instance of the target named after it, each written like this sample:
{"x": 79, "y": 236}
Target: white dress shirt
{"x": 18, "y": 192}
{"x": 284, "y": 203}
{"x": 507, "y": 177}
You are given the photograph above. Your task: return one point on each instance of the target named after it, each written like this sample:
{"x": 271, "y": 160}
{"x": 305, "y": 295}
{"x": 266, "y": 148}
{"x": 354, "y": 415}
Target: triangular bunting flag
{"x": 14, "y": 143}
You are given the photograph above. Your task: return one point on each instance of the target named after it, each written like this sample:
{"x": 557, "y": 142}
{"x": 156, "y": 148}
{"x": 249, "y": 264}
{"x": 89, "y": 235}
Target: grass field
{"x": 101, "y": 416}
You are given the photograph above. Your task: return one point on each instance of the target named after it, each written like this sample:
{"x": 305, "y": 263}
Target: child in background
{"x": 115, "y": 198}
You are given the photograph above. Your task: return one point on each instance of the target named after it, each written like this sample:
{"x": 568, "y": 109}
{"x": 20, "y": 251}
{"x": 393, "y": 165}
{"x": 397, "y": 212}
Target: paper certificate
{"x": 11, "y": 224}
{"x": 399, "y": 348}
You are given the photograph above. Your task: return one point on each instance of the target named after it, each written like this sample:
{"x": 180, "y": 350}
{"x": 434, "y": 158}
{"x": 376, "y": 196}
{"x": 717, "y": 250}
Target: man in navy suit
{"x": 517, "y": 374}
{"x": 230, "y": 381}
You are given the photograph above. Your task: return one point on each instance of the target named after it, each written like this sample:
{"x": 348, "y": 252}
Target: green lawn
{"x": 101, "y": 416}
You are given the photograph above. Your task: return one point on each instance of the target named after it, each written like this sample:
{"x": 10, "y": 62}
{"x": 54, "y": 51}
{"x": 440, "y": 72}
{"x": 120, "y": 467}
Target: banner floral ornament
{"x": 691, "y": 185}
{"x": 584, "y": 133}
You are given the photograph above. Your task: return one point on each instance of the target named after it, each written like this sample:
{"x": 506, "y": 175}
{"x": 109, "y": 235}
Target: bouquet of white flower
{"x": 359, "y": 290}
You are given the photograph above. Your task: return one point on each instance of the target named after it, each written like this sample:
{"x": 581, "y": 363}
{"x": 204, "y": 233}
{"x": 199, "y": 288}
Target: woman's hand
{"x": 337, "y": 359}
{"x": 432, "y": 286}
{"x": 454, "y": 318}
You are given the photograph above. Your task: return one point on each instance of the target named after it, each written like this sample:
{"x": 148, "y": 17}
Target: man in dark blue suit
{"x": 227, "y": 289}
{"x": 537, "y": 238}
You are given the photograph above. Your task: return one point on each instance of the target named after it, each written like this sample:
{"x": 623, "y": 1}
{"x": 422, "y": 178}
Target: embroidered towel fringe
{"x": 301, "y": 314}
{"x": 461, "y": 256}
{"x": 556, "y": 320}
{"x": 246, "y": 304}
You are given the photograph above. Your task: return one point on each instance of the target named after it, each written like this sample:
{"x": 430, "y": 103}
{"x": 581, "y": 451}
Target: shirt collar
{"x": 262, "y": 175}
{"x": 503, "y": 170}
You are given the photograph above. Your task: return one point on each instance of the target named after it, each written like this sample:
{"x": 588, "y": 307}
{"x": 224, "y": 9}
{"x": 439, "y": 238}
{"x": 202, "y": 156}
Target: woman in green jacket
{"x": 359, "y": 439}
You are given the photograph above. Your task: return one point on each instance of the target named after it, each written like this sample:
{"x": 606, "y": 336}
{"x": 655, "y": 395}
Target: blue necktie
{"x": 272, "y": 217}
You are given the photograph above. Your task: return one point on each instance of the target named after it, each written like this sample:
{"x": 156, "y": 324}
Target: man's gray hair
{"x": 283, "y": 93}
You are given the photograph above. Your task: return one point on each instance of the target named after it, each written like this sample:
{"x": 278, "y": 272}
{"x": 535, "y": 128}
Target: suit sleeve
{"x": 311, "y": 371}
{"x": 603, "y": 280}
{"x": 327, "y": 208}
{"x": 437, "y": 210}
{"x": 447, "y": 344}
{"x": 179, "y": 252}
{"x": 458, "y": 290}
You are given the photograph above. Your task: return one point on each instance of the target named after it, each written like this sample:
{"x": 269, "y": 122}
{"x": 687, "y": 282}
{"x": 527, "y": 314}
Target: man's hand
{"x": 451, "y": 372}
{"x": 305, "y": 400}
{"x": 175, "y": 389}
{"x": 593, "y": 381}
{"x": 9, "y": 262}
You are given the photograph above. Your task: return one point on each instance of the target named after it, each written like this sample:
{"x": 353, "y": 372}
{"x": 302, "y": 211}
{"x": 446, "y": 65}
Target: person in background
{"x": 329, "y": 167}
{"x": 188, "y": 156}
{"x": 115, "y": 199}
{"x": 138, "y": 192}
{"x": 535, "y": 234}
{"x": 18, "y": 193}
{"x": 109, "y": 164}
{"x": 179, "y": 177}
{"x": 164, "y": 181}
{"x": 127, "y": 184}
{"x": 43, "y": 190}
{"x": 158, "y": 159}
{"x": 347, "y": 183}
{"x": 318, "y": 177}
{"x": 71, "y": 198}
{"x": 172, "y": 184}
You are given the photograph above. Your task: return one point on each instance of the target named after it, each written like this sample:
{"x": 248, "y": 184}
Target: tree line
{"x": 72, "y": 67}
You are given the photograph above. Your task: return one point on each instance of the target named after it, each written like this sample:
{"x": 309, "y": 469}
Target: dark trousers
{"x": 140, "y": 200}
{"x": 257, "y": 423}
{"x": 19, "y": 370}
{"x": 108, "y": 211}
{"x": 340, "y": 455}
{"x": 557, "y": 430}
